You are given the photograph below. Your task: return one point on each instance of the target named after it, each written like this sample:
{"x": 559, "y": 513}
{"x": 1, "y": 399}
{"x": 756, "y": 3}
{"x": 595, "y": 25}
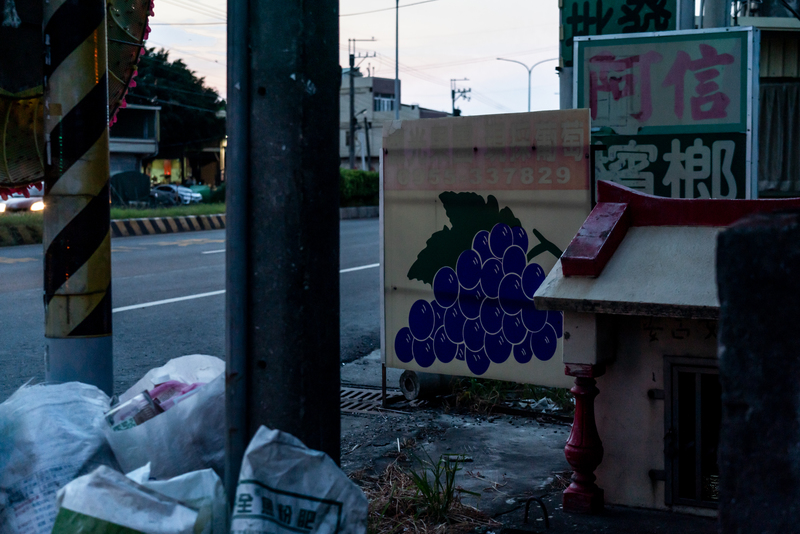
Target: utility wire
{"x": 194, "y": 6}
{"x": 188, "y": 23}
{"x": 169, "y": 103}
{"x": 168, "y": 49}
{"x": 165, "y": 88}
{"x": 387, "y": 8}
{"x": 199, "y": 9}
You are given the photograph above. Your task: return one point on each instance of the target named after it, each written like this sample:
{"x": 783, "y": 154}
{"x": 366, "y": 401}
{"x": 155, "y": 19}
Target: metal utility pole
{"x": 397, "y": 60}
{"x": 715, "y": 14}
{"x": 352, "y": 131}
{"x": 282, "y": 239}
{"x": 366, "y": 137}
{"x": 529, "y": 69}
{"x": 77, "y": 239}
{"x": 352, "y": 53}
{"x": 455, "y": 94}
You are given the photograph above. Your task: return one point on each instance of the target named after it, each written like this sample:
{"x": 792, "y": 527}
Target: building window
{"x": 383, "y": 102}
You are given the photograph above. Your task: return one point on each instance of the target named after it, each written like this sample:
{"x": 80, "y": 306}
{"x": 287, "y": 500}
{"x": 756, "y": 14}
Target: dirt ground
{"x": 507, "y": 460}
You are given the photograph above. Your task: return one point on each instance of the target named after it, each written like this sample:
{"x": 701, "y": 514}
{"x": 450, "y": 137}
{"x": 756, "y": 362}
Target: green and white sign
{"x": 676, "y": 109}
{"x": 677, "y": 165}
{"x": 596, "y": 17}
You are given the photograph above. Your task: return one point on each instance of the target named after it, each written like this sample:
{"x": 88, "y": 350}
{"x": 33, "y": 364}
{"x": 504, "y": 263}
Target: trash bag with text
{"x": 285, "y": 487}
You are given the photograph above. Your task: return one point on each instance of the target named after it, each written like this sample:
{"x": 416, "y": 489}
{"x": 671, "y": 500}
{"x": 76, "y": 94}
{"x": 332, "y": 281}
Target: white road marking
{"x": 167, "y": 301}
{"x": 212, "y": 251}
{"x": 351, "y": 269}
{"x": 213, "y": 293}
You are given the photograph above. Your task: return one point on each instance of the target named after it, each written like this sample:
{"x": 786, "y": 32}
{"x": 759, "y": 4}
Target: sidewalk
{"x": 510, "y": 458}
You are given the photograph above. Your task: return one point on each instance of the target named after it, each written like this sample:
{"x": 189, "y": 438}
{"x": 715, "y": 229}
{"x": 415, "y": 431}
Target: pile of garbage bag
{"x": 71, "y": 461}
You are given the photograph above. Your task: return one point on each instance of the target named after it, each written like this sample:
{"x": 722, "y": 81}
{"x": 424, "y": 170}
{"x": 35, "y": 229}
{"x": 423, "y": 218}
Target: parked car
{"x": 18, "y": 201}
{"x": 174, "y": 194}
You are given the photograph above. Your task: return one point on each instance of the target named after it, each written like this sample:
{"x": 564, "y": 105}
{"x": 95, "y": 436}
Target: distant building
{"x": 134, "y": 137}
{"x": 374, "y": 101}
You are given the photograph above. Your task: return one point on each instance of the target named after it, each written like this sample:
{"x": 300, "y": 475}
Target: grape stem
{"x": 543, "y": 246}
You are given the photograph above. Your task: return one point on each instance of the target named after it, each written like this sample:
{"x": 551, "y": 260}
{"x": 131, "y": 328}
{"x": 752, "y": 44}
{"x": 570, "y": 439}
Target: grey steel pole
{"x": 352, "y": 112}
{"x": 284, "y": 266}
{"x": 530, "y": 70}
{"x": 77, "y": 237}
{"x": 529, "y": 89}
{"x": 397, "y": 60}
{"x": 237, "y": 244}
{"x": 366, "y": 139}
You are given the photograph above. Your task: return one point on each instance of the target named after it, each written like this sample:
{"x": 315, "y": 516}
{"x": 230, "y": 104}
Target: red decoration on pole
{"x": 584, "y": 450}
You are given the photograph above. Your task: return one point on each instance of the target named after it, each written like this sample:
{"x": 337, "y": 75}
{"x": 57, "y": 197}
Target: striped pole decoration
{"x": 77, "y": 240}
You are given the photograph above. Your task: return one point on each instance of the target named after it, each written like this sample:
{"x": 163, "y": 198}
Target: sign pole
{"x": 77, "y": 241}
{"x": 282, "y": 244}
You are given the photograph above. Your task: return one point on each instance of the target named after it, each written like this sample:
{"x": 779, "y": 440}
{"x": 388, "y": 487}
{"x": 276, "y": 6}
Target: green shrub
{"x": 217, "y": 194}
{"x": 358, "y": 188}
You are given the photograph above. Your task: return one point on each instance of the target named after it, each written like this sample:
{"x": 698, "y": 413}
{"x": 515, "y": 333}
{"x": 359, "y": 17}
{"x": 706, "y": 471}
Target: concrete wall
{"x": 630, "y": 424}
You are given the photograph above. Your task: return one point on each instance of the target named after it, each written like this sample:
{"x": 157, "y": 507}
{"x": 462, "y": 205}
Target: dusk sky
{"x": 440, "y": 40}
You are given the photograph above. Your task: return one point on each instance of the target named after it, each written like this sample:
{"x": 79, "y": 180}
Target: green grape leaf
{"x": 469, "y": 213}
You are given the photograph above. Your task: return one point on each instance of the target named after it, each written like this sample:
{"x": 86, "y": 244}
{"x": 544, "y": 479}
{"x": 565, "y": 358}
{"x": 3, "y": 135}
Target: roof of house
{"x": 638, "y": 254}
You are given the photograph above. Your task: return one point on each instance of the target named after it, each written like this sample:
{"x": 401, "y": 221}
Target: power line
{"x": 388, "y": 8}
{"x": 165, "y": 88}
{"x": 193, "y": 5}
{"x": 169, "y": 103}
{"x": 169, "y": 49}
{"x": 197, "y": 8}
{"x": 188, "y": 23}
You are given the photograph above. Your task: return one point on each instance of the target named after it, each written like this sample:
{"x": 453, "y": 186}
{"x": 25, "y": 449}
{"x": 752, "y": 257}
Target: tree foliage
{"x": 188, "y": 107}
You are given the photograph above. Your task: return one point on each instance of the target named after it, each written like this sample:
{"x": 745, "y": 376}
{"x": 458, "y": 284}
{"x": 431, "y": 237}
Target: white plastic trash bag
{"x": 49, "y": 434}
{"x": 189, "y": 436}
{"x": 108, "y": 502}
{"x": 200, "y": 490}
{"x": 285, "y": 487}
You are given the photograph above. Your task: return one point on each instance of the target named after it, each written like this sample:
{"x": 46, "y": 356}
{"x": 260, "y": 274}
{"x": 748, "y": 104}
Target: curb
{"x": 19, "y": 235}
{"x": 166, "y": 225}
{"x": 361, "y": 212}
{"x": 29, "y": 235}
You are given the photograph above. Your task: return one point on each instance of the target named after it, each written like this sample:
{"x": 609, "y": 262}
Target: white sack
{"x": 49, "y": 434}
{"x": 105, "y": 500}
{"x": 190, "y": 436}
{"x": 285, "y": 487}
{"x": 200, "y": 490}
{"x": 187, "y": 369}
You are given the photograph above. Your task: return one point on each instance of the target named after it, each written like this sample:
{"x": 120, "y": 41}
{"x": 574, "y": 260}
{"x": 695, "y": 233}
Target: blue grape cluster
{"x": 483, "y": 310}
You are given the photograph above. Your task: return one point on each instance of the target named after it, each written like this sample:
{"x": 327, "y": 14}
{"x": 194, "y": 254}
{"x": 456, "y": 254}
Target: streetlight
{"x": 529, "y": 72}
{"x": 397, "y": 60}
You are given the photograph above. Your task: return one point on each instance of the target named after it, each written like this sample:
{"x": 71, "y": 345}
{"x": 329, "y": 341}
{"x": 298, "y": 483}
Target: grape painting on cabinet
{"x": 475, "y": 211}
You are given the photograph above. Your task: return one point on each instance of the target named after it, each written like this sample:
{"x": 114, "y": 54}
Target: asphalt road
{"x": 150, "y": 269}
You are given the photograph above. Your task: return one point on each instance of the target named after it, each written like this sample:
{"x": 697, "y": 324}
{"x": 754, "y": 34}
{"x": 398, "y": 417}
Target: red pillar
{"x": 584, "y": 450}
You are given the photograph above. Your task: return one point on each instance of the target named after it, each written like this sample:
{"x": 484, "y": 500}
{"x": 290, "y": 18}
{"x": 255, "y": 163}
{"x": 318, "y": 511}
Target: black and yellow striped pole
{"x": 77, "y": 270}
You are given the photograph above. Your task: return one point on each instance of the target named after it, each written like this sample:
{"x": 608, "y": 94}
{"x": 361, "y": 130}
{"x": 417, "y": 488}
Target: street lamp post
{"x": 397, "y": 60}
{"x": 529, "y": 72}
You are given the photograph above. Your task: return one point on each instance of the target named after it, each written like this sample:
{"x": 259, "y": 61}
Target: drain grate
{"x": 362, "y": 400}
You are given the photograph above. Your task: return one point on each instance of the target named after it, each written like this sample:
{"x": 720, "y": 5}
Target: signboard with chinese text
{"x": 474, "y": 212}
{"x": 681, "y": 90}
{"x": 595, "y": 17}
{"x": 712, "y": 165}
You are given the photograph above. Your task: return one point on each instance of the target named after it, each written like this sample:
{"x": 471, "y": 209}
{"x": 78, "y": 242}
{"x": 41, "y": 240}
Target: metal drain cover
{"x": 364, "y": 400}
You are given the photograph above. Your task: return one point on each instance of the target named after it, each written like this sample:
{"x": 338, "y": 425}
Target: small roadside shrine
{"x": 638, "y": 289}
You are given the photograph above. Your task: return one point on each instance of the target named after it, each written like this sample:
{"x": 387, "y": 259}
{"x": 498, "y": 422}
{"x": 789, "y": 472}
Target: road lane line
{"x": 212, "y": 251}
{"x": 167, "y": 301}
{"x": 351, "y": 269}
{"x": 213, "y": 293}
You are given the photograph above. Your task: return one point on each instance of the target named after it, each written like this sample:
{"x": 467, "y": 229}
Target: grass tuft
{"x": 397, "y": 506}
